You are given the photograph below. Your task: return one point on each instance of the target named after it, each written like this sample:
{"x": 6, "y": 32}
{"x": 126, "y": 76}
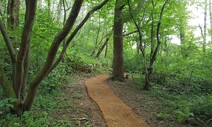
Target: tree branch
{"x": 138, "y": 29}
{"x": 158, "y": 33}
{"x": 52, "y": 53}
{"x": 76, "y": 31}
{"x": 8, "y": 42}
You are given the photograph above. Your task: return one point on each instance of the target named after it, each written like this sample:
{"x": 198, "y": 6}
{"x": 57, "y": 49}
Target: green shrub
{"x": 202, "y": 108}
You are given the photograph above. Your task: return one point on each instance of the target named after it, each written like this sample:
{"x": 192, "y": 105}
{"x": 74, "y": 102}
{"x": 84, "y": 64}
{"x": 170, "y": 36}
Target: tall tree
{"x": 205, "y": 27}
{"x": 210, "y": 12}
{"x": 148, "y": 68}
{"x": 51, "y": 61}
{"x": 118, "y": 40}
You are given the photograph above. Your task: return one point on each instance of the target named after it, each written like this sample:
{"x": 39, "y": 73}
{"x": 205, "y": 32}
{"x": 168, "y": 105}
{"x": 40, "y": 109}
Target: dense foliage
{"x": 181, "y": 76}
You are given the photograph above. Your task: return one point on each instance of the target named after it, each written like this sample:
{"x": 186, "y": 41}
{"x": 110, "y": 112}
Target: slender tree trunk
{"x": 205, "y": 27}
{"x": 59, "y": 10}
{"x": 24, "y": 47}
{"x": 149, "y": 69}
{"x": 13, "y": 23}
{"x": 13, "y": 12}
{"x": 102, "y": 48}
{"x": 210, "y": 12}
{"x": 97, "y": 39}
{"x": 182, "y": 37}
{"x": 152, "y": 35}
{"x": 118, "y": 41}
{"x": 147, "y": 85}
{"x": 25, "y": 75}
{"x": 106, "y": 50}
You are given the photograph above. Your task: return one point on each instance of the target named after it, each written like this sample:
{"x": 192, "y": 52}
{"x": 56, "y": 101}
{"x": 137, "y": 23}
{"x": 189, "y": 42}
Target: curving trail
{"x": 115, "y": 112}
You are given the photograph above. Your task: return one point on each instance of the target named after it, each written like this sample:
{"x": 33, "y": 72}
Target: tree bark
{"x": 24, "y": 47}
{"x": 13, "y": 12}
{"x": 118, "y": 41}
{"x": 51, "y": 63}
{"x": 52, "y": 54}
{"x": 75, "y": 31}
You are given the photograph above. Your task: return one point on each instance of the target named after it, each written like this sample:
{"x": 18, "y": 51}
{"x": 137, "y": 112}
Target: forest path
{"x": 115, "y": 112}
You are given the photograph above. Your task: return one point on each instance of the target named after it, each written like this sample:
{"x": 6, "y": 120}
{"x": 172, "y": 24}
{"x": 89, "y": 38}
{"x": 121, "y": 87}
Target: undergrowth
{"x": 52, "y": 107}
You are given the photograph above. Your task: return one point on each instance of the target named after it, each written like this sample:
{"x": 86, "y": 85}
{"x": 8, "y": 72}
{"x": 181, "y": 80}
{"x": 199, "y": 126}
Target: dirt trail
{"x": 115, "y": 112}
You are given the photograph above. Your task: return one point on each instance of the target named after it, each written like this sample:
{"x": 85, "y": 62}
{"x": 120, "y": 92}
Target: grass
{"x": 52, "y": 108}
{"x": 179, "y": 103}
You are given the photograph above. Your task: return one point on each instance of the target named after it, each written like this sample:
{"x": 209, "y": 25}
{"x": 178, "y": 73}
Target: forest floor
{"x": 114, "y": 111}
{"x": 138, "y": 102}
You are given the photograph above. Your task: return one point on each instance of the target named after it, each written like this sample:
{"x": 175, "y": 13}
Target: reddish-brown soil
{"x": 86, "y": 112}
{"x": 115, "y": 112}
{"x": 82, "y": 112}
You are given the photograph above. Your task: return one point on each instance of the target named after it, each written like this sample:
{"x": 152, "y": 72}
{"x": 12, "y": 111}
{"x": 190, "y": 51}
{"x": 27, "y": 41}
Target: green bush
{"x": 202, "y": 108}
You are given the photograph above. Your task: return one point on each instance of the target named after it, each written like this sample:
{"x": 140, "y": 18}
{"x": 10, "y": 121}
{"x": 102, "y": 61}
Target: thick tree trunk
{"x": 118, "y": 42}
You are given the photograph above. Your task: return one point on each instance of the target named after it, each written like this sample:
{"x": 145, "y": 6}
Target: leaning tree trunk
{"x": 21, "y": 63}
{"x": 102, "y": 48}
{"x": 118, "y": 42}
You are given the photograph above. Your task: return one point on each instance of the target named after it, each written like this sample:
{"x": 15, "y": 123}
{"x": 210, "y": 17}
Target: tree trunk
{"x": 13, "y": 12}
{"x": 13, "y": 23}
{"x": 52, "y": 53}
{"x": 102, "y": 48}
{"x": 106, "y": 50}
{"x": 147, "y": 85}
{"x": 24, "y": 47}
{"x": 97, "y": 39}
{"x": 210, "y": 12}
{"x": 182, "y": 38}
{"x": 118, "y": 41}
{"x": 23, "y": 54}
{"x": 51, "y": 63}
{"x": 205, "y": 27}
